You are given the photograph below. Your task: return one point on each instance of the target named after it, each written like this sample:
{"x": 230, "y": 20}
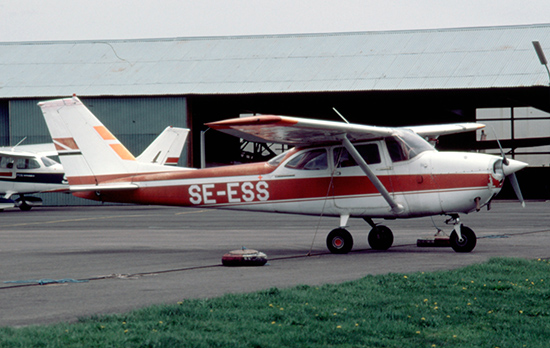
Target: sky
{"x": 53, "y": 20}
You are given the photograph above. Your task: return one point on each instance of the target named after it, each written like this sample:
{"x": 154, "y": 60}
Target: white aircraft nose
{"x": 513, "y": 166}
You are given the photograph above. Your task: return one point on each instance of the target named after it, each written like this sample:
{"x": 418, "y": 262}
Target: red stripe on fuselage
{"x": 264, "y": 191}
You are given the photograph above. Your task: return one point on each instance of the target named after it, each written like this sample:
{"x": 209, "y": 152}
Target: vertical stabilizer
{"x": 166, "y": 148}
{"x": 89, "y": 152}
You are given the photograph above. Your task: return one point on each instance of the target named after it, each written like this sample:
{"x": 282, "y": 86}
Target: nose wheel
{"x": 464, "y": 243}
{"x": 463, "y": 239}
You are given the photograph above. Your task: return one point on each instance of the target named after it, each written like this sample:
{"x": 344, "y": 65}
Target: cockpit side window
{"x": 27, "y": 163}
{"x": 369, "y": 152}
{"x": 309, "y": 160}
{"x": 396, "y": 149}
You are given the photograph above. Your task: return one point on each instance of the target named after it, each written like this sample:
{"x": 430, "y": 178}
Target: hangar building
{"x": 138, "y": 87}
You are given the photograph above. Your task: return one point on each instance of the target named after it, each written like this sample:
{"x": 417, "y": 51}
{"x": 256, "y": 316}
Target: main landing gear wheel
{"x": 25, "y": 207}
{"x": 468, "y": 242}
{"x": 26, "y": 203}
{"x": 380, "y": 238}
{"x": 339, "y": 241}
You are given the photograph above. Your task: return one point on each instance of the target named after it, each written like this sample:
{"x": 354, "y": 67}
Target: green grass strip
{"x": 501, "y": 303}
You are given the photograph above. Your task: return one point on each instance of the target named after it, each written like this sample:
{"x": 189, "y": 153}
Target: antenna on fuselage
{"x": 341, "y": 116}
{"x": 19, "y": 143}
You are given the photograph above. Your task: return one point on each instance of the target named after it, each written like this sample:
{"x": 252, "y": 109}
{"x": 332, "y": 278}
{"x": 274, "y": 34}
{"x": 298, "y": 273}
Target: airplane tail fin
{"x": 166, "y": 148}
{"x": 89, "y": 152}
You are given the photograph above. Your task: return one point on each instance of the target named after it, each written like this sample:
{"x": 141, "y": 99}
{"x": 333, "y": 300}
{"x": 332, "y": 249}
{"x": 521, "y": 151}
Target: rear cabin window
{"x": 19, "y": 163}
{"x": 309, "y": 160}
{"x": 275, "y": 161}
{"x": 6, "y": 162}
{"x": 369, "y": 152}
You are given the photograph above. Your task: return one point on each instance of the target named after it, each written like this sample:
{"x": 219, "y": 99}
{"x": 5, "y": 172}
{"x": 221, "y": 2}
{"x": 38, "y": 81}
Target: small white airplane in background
{"x": 336, "y": 169}
{"x": 27, "y": 169}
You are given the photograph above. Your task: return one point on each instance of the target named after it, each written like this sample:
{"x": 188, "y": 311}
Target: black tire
{"x": 468, "y": 242}
{"x": 380, "y": 238}
{"x": 339, "y": 241}
{"x": 24, "y": 206}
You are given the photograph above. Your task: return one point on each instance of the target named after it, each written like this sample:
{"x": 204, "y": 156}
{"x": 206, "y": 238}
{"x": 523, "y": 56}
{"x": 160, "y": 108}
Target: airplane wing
{"x": 295, "y": 130}
{"x": 166, "y": 148}
{"x": 433, "y": 131}
{"x": 14, "y": 154}
{"x": 301, "y": 131}
{"x": 47, "y": 149}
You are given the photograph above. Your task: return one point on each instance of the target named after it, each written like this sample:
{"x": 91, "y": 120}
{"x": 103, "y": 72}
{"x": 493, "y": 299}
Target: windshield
{"x": 405, "y": 145}
{"x": 48, "y": 162}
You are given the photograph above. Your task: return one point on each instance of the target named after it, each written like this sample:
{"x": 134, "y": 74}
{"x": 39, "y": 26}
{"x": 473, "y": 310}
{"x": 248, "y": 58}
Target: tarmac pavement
{"x": 112, "y": 259}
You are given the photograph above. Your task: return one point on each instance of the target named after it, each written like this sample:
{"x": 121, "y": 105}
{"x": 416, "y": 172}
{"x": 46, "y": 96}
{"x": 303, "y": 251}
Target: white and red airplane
{"x": 27, "y": 169}
{"x": 336, "y": 169}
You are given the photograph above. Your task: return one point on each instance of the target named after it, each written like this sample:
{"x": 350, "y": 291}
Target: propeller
{"x": 509, "y": 168}
{"x": 517, "y": 190}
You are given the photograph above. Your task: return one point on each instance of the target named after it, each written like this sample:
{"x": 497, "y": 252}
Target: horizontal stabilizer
{"x": 104, "y": 187}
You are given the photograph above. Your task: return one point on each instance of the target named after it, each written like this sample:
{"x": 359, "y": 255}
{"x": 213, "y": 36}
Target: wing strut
{"x": 395, "y": 207}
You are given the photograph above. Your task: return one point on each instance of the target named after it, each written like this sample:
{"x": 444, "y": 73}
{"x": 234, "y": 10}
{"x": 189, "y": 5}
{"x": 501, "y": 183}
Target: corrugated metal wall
{"x": 135, "y": 121}
{"x": 25, "y": 120}
{"x": 4, "y": 123}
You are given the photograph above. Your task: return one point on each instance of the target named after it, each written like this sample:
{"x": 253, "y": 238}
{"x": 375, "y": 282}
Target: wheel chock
{"x": 244, "y": 257}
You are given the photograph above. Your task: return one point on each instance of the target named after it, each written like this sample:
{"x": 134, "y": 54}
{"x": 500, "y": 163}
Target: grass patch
{"x": 501, "y": 303}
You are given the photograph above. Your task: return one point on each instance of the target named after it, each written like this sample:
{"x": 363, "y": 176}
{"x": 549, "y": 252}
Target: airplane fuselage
{"x": 317, "y": 181}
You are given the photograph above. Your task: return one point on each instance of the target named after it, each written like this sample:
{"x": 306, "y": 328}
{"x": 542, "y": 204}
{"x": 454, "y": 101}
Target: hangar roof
{"x": 489, "y": 57}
